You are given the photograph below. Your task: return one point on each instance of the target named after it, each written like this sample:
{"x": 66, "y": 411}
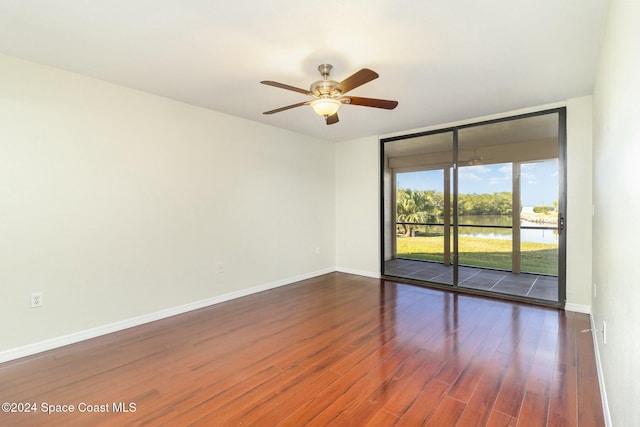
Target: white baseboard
{"x": 603, "y": 390}
{"x": 358, "y": 272}
{"x": 50, "y": 344}
{"x": 578, "y": 308}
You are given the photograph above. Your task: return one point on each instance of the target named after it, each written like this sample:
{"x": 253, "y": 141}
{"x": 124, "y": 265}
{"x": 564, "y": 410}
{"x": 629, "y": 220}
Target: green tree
{"x": 485, "y": 204}
{"x": 416, "y": 206}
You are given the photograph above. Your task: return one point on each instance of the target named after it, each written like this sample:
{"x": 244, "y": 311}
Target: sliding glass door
{"x": 417, "y": 207}
{"x": 478, "y": 207}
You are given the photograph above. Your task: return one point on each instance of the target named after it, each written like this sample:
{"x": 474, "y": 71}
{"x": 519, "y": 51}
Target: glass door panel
{"x": 539, "y": 238}
{"x": 420, "y": 215}
{"x": 417, "y": 205}
{"x": 507, "y": 172}
{"x": 484, "y": 216}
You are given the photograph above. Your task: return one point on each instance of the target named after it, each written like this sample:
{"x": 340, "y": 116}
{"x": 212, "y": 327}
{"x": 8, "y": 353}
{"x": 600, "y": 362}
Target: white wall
{"x": 358, "y": 211}
{"x": 358, "y": 206}
{"x": 616, "y": 193}
{"x": 579, "y": 202}
{"x": 117, "y": 203}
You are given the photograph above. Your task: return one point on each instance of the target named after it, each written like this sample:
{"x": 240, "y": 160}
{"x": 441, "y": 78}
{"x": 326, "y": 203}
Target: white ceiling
{"x": 442, "y": 60}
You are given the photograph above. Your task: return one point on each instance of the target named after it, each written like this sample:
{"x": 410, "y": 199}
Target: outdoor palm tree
{"x": 413, "y": 206}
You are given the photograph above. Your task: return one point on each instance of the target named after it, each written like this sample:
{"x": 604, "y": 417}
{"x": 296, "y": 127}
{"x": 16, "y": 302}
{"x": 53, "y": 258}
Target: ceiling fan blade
{"x": 284, "y": 86}
{"x": 372, "y": 102}
{"x": 332, "y": 119}
{"x": 358, "y": 79}
{"x": 288, "y": 107}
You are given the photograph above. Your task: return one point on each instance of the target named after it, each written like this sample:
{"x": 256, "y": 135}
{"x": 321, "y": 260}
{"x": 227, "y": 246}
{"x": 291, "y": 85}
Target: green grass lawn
{"x": 482, "y": 252}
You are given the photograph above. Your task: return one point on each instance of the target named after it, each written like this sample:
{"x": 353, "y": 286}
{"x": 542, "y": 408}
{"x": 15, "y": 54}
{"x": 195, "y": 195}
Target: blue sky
{"x": 539, "y": 181}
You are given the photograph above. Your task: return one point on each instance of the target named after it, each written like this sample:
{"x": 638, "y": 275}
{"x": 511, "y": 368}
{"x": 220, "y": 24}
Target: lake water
{"x": 526, "y": 235}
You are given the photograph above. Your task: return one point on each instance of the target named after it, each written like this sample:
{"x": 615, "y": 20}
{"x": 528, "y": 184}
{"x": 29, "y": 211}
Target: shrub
{"x": 543, "y": 209}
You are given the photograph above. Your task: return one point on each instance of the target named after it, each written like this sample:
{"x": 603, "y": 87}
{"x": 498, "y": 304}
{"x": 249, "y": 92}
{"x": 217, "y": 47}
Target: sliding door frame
{"x": 562, "y": 202}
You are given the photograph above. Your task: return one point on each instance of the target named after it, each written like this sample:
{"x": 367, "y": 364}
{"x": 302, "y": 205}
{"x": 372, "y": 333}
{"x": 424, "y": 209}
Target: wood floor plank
{"x": 563, "y": 408}
{"x": 283, "y": 403}
{"x": 498, "y": 419}
{"x": 393, "y": 378}
{"x": 522, "y": 346}
{"x": 468, "y": 380}
{"x": 461, "y": 349}
{"x": 409, "y": 390}
{"x": 534, "y": 410}
{"x": 332, "y": 403}
{"x": 382, "y": 419}
{"x": 478, "y": 410}
{"x": 337, "y": 349}
{"x": 425, "y": 404}
{"x": 588, "y": 389}
{"x": 257, "y": 395}
{"x": 447, "y": 413}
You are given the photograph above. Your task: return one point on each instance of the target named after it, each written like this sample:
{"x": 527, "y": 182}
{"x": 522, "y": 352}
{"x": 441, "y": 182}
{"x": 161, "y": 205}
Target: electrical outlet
{"x": 604, "y": 332}
{"x": 317, "y": 250}
{"x": 36, "y": 299}
{"x": 220, "y": 268}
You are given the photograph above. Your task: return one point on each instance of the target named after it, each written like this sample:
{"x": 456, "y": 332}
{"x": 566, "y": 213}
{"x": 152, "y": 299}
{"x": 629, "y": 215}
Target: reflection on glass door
{"x": 478, "y": 207}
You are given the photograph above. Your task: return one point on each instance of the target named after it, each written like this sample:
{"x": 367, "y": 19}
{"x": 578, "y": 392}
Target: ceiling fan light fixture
{"x": 326, "y": 106}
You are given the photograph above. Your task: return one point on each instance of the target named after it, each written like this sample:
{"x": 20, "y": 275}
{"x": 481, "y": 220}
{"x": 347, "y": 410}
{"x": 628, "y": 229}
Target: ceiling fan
{"x": 329, "y": 95}
{"x": 476, "y": 160}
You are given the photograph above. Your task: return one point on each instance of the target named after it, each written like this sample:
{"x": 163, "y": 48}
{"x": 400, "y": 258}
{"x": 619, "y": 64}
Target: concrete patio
{"x": 534, "y": 286}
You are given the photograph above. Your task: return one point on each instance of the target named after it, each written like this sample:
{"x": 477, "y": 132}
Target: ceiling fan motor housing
{"x": 324, "y": 88}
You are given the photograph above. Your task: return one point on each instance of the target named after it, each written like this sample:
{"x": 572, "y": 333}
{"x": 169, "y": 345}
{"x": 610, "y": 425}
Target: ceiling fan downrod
{"x": 324, "y": 88}
{"x": 325, "y": 70}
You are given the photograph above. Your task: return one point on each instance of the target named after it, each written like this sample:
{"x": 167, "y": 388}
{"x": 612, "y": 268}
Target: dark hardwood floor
{"x": 334, "y": 350}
